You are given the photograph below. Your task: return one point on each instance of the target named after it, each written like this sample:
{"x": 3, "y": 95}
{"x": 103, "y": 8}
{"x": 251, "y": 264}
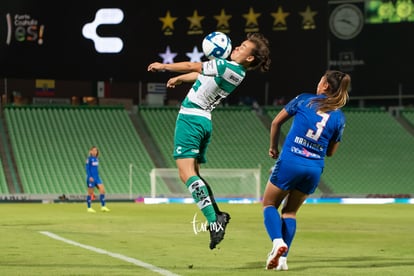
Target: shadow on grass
{"x": 349, "y": 262}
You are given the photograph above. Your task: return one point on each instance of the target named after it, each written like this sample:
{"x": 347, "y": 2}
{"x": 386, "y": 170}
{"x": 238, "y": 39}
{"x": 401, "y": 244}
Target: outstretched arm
{"x": 180, "y": 67}
{"x": 189, "y": 77}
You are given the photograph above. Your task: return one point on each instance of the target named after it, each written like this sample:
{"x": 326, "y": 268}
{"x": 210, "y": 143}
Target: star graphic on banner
{"x": 195, "y": 55}
{"x": 251, "y": 17}
{"x": 195, "y": 20}
{"x": 167, "y": 21}
{"x": 280, "y": 19}
{"x": 168, "y": 57}
{"x": 308, "y": 21}
{"x": 222, "y": 19}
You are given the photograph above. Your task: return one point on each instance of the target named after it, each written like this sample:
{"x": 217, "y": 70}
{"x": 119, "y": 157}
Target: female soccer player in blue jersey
{"x": 315, "y": 133}
{"x": 93, "y": 180}
{"x": 213, "y": 81}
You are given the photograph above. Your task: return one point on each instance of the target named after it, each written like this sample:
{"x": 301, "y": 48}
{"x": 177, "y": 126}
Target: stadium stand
{"x": 160, "y": 122}
{"x": 51, "y": 144}
{"x": 240, "y": 139}
{"x": 374, "y": 158}
{"x": 4, "y": 189}
{"x": 408, "y": 114}
{"x": 3, "y": 184}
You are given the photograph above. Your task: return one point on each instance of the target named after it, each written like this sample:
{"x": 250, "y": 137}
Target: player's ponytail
{"x": 337, "y": 94}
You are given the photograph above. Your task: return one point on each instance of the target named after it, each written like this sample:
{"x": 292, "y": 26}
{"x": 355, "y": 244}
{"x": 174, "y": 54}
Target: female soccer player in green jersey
{"x": 213, "y": 81}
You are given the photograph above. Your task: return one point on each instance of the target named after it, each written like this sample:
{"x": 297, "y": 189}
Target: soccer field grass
{"x": 138, "y": 239}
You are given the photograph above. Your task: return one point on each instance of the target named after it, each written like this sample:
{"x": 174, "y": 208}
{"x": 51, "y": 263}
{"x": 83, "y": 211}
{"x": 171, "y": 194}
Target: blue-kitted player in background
{"x": 93, "y": 180}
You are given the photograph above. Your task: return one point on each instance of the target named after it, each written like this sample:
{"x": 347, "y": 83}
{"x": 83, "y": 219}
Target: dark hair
{"x": 261, "y": 52}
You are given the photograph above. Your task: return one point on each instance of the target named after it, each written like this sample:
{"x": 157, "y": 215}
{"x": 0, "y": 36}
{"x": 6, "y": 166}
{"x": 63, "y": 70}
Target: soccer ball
{"x": 216, "y": 45}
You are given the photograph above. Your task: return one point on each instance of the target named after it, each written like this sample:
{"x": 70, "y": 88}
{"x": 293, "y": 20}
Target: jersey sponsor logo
{"x": 232, "y": 77}
{"x": 306, "y": 143}
{"x": 304, "y": 152}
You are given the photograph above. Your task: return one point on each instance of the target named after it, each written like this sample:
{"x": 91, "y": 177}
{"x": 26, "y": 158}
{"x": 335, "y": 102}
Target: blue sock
{"x": 102, "y": 199}
{"x": 272, "y": 222}
{"x": 288, "y": 231}
{"x": 88, "y": 201}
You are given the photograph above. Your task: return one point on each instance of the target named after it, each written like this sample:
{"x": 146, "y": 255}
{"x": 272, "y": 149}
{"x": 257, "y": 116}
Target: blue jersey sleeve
{"x": 292, "y": 106}
{"x": 337, "y": 136}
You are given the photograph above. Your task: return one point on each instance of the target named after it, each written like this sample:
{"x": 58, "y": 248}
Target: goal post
{"x": 225, "y": 183}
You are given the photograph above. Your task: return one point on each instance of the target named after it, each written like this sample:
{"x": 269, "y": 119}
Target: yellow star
{"x": 167, "y": 21}
{"x": 195, "y": 20}
{"x": 308, "y": 21}
{"x": 251, "y": 17}
{"x": 280, "y": 16}
{"x": 222, "y": 19}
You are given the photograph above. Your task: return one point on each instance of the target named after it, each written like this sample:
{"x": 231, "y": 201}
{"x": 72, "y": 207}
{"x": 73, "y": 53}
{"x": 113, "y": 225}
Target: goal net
{"x": 225, "y": 183}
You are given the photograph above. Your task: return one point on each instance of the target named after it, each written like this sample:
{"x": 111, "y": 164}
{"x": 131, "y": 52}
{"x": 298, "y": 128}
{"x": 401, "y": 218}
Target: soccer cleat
{"x": 273, "y": 258}
{"x": 90, "y": 210}
{"x": 217, "y": 229}
{"x": 282, "y": 264}
{"x": 105, "y": 209}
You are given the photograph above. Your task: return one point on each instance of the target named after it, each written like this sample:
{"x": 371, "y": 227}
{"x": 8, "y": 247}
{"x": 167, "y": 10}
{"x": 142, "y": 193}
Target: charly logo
{"x": 199, "y": 226}
{"x": 104, "y": 44}
{"x": 24, "y": 28}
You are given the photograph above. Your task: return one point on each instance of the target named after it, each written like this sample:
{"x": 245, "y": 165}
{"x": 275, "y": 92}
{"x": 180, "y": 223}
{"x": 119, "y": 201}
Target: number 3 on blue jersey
{"x": 319, "y": 126}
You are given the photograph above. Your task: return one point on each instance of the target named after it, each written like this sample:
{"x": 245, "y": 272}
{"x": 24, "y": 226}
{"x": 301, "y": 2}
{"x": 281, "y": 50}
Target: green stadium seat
{"x": 51, "y": 145}
{"x": 375, "y": 156}
{"x": 240, "y": 139}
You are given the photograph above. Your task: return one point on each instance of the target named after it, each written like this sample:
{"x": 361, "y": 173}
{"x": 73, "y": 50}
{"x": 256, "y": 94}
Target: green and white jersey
{"x": 218, "y": 79}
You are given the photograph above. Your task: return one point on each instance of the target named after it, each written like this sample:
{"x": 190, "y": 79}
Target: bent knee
{"x": 289, "y": 215}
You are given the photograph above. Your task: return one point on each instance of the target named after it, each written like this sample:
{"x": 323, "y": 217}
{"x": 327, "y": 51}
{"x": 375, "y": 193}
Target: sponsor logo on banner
{"x": 104, "y": 44}
{"x": 24, "y": 28}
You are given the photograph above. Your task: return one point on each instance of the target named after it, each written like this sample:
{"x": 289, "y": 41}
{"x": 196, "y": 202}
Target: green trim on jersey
{"x": 219, "y": 78}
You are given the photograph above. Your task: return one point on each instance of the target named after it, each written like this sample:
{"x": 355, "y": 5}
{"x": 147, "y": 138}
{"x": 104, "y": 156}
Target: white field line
{"x": 114, "y": 255}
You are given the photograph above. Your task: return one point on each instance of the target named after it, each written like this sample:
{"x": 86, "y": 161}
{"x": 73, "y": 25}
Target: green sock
{"x": 199, "y": 191}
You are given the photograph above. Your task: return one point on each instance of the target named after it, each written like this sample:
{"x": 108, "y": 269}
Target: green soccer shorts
{"x": 192, "y": 136}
